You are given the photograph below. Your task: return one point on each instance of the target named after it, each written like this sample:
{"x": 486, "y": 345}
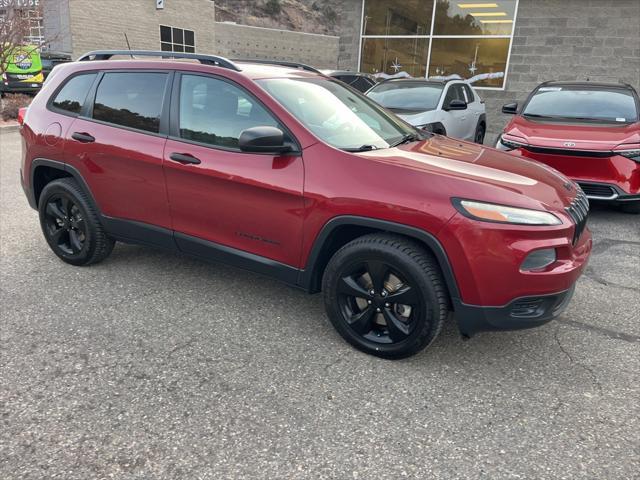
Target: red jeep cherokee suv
{"x": 292, "y": 174}
{"x": 588, "y": 131}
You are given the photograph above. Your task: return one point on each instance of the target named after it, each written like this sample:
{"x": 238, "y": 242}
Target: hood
{"x": 415, "y": 117}
{"x": 585, "y": 136}
{"x": 468, "y": 170}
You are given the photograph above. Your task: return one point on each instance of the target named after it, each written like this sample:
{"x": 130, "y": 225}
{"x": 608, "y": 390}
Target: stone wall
{"x": 97, "y": 25}
{"x": 242, "y": 41}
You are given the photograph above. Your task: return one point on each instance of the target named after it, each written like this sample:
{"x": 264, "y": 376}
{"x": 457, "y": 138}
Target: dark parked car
{"x": 588, "y": 131}
{"x": 291, "y": 174}
{"x": 50, "y": 59}
{"x": 358, "y": 80}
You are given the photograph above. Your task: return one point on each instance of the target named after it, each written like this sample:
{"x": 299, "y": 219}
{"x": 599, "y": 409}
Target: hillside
{"x": 313, "y": 16}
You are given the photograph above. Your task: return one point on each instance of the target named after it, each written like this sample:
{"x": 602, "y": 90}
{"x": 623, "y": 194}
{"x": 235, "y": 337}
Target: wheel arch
{"x": 338, "y": 231}
{"x": 44, "y": 171}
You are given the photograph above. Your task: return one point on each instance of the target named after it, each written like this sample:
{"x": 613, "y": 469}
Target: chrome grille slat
{"x": 578, "y": 210}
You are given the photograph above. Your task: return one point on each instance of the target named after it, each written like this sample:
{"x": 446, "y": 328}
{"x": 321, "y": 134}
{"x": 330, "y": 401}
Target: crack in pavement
{"x": 626, "y": 337}
{"x": 604, "y": 244}
{"x": 589, "y": 370}
{"x": 590, "y": 273}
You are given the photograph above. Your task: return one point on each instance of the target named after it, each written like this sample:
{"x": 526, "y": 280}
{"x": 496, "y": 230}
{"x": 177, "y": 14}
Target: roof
{"x": 568, "y": 83}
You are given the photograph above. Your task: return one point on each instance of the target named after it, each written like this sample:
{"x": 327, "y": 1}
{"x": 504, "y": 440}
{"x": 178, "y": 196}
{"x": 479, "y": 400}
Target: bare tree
{"x": 20, "y": 20}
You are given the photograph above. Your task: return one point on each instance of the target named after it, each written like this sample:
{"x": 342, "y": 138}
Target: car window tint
{"x": 215, "y": 112}
{"x": 454, "y": 93}
{"x": 131, "y": 99}
{"x": 72, "y": 96}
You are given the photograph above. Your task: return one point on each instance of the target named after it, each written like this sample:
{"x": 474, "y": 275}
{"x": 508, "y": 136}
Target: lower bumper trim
{"x": 521, "y": 313}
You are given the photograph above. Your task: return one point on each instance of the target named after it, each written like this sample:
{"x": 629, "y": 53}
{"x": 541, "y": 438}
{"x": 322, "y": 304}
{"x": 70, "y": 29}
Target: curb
{"x": 9, "y": 128}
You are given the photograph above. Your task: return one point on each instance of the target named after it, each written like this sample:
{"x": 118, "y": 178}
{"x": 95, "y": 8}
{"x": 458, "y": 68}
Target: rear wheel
{"x": 480, "y": 132}
{"x": 385, "y": 295}
{"x": 70, "y": 224}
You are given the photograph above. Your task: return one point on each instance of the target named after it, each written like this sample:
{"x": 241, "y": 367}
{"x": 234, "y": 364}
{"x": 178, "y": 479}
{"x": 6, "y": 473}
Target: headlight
{"x": 507, "y": 145}
{"x": 489, "y": 212}
{"x": 633, "y": 154}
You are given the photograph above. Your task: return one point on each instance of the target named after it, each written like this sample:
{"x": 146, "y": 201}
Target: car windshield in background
{"x": 407, "y": 96}
{"x": 582, "y": 103}
{"x": 336, "y": 114}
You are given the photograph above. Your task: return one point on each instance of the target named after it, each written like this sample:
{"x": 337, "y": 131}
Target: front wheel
{"x": 385, "y": 295}
{"x": 70, "y": 224}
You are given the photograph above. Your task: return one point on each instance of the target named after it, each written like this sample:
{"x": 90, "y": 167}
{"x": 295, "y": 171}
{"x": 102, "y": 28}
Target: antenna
{"x": 127, "y": 40}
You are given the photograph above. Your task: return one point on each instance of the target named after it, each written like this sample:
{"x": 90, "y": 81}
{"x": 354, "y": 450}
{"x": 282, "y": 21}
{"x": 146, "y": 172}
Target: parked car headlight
{"x": 507, "y": 145}
{"x": 633, "y": 154}
{"x": 490, "y": 212}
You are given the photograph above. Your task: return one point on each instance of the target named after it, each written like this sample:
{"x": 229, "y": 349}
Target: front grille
{"x": 568, "y": 152}
{"x": 597, "y": 190}
{"x": 579, "y": 211}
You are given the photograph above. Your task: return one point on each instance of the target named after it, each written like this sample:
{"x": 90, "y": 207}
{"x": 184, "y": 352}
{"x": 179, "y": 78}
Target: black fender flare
{"x": 65, "y": 167}
{"x": 306, "y": 276}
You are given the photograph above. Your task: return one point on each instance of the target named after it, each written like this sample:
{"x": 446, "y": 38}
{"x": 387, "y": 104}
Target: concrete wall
{"x": 349, "y": 18}
{"x": 102, "y": 24}
{"x": 242, "y": 41}
{"x": 56, "y": 18}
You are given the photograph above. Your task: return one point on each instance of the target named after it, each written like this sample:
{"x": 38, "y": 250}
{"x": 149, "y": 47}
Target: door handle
{"x": 184, "y": 158}
{"x": 83, "y": 137}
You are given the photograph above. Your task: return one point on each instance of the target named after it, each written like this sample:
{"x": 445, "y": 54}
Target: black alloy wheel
{"x": 71, "y": 224}
{"x": 377, "y": 302}
{"x": 385, "y": 295}
{"x": 65, "y": 226}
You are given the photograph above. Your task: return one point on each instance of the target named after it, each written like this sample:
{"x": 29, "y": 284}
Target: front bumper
{"x": 521, "y": 313}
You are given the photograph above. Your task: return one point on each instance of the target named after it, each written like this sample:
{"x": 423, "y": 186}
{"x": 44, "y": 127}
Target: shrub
{"x": 273, "y": 7}
{"x": 11, "y": 103}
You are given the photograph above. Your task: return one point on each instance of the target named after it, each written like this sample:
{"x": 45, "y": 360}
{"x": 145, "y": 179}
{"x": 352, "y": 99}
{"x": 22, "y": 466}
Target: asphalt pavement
{"x": 154, "y": 365}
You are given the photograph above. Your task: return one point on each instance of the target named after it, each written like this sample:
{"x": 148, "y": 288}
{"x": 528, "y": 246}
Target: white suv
{"x": 449, "y": 108}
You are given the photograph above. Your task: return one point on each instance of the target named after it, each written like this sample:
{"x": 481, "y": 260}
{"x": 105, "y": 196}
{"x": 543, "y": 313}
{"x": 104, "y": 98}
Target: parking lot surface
{"x": 155, "y": 365}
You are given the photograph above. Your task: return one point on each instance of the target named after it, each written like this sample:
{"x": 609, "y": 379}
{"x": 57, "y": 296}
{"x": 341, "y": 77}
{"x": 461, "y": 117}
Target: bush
{"x": 273, "y": 7}
{"x": 11, "y": 103}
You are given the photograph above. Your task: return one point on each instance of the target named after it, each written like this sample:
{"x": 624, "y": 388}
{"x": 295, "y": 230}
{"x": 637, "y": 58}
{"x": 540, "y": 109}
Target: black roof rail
{"x": 280, "y": 63}
{"x": 204, "y": 59}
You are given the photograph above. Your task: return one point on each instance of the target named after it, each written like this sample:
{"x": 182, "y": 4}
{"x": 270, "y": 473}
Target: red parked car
{"x": 588, "y": 131}
{"x": 292, "y": 174}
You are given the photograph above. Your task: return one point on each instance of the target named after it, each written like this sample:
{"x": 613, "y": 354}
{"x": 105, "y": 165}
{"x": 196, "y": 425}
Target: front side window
{"x": 454, "y": 93}
{"x": 72, "y": 96}
{"x": 407, "y": 96}
{"x": 174, "y": 39}
{"x": 336, "y": 114}
{"x": 582, "y": 103}
{"x": 131, "y": 100}
{"x": 216, "y": 112}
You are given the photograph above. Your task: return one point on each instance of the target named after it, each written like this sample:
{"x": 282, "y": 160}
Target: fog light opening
{"x": 539, "y": 259}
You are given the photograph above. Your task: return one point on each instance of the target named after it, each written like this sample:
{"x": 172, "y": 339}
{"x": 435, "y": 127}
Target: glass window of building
{"x": 439, "y": 39}
{"x": 174, "y": 39}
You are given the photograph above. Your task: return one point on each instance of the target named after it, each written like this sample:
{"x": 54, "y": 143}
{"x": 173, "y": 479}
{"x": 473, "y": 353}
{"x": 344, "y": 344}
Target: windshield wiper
{"x": 406, "y": 138}
{"x": 362, "y": 148}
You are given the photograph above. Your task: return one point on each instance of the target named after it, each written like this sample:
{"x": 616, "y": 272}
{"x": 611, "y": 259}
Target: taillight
{"x": 21, "y": 113}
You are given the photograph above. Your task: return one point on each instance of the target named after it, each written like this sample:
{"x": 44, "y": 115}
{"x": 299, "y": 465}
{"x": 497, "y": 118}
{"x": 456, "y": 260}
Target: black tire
{"x": 480, "y": 132}
{"x": 70, "y": 224}
{"x": 630, "y": 207}
{"x": 397, "y": 330}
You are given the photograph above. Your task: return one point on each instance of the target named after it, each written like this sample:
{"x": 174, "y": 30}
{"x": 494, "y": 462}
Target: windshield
{"x": 409, "y": 96}
{"x": 336, "y": 114}
{"x": 583, "y": 103}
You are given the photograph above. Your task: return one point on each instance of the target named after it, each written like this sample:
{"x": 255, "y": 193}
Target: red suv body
{"x": 588, "y": 131}
{"x": 205, "y": 172}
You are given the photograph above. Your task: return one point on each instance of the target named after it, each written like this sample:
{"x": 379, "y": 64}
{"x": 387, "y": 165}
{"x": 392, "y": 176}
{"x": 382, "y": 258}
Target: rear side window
{"x": 470, "y": 96}
{"x": 131, "y": 100}
{"x": 72, "y": 96}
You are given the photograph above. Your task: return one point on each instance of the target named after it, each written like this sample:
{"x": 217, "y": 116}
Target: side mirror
{"x": 510, "y": 108}
{"x": 263, "y": 140}
{"x": 456, "y": 105}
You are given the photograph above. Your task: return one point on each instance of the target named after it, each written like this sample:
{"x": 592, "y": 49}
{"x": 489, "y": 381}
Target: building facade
{"x": 506, "y": 47}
